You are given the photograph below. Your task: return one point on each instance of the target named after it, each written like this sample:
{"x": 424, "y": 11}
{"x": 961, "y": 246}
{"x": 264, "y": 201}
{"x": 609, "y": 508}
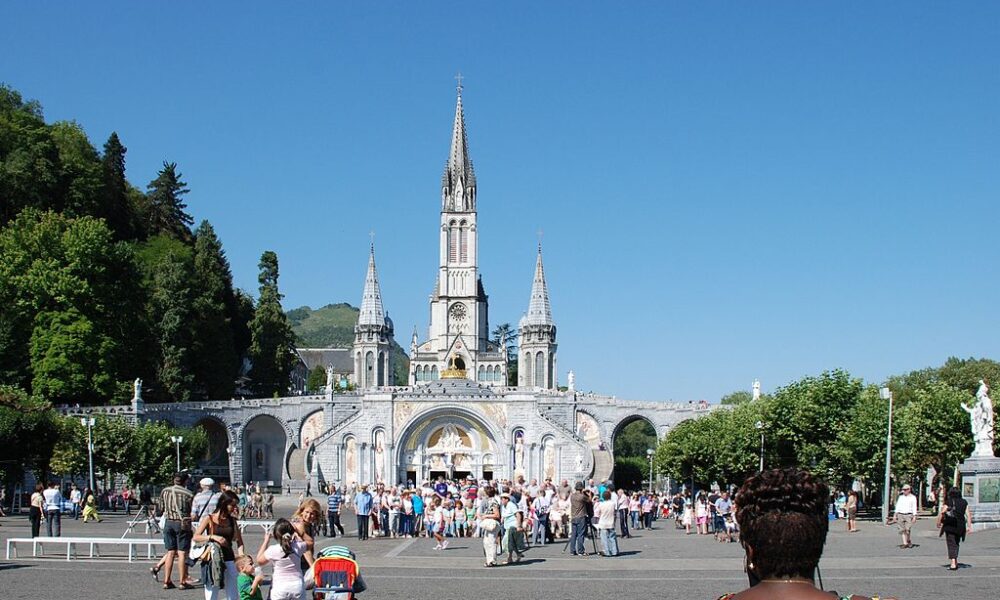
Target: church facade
{"x": 455, "y": 416}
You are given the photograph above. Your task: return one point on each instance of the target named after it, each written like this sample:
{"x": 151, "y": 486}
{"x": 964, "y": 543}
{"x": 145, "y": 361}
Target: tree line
{"x": 101, "y": 282}
{"x": 835, "y": 425}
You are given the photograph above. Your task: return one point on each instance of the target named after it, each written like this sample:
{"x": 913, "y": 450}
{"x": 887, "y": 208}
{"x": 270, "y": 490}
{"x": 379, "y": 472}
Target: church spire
{"x": 458, "y": 184}
{"x": 539, "y": 310}
{"x": 372, "y": 312}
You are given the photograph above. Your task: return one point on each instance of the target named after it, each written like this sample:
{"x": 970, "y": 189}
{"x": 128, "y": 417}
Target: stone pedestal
{"x": 980, "y": 486}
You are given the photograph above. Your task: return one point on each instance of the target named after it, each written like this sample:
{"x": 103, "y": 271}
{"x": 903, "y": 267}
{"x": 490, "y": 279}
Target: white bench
{"x": 264, "y": 524}
{"x": 93, "y": 542}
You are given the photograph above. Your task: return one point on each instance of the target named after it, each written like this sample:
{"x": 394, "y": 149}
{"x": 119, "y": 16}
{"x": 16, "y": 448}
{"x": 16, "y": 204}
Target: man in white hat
{"x": 204, "y": 501}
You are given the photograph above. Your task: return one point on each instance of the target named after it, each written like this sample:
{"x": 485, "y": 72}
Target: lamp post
{"x": 230, "y": 450}
{"x": 177, "y": 439}
{"x": 649, "y": 455}
{"x": 760, "y": 427}
{"x": 886, "y": 394}
{"x": 89, "y": 424}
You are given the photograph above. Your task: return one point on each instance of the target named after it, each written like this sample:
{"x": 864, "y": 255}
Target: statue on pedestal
{"x": 329, "y": 379}
{"x": 756, "y": 389}
{"x": 137, "y": 389}
{"x": 981, "y": 418}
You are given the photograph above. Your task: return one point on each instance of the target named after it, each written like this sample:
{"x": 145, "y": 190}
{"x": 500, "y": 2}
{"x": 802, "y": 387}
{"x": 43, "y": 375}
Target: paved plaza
{"x": 662, "y": 563}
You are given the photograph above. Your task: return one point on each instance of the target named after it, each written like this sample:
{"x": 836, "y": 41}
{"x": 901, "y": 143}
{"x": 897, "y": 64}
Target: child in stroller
{"x": 336, "y": 575}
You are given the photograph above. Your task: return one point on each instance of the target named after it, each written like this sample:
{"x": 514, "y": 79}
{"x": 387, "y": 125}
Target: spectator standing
{"x": 204, "y": 501}
{"x": 176, "y": 501}
{"x": 851, "y": 508}
{"x": 75, "y": 497}
{"x": 53, "y": 509}
{"x": 579, "y": 509}
{"x": 363, "y": 509}
{"x": 36, "y": 508}
{"x": 333, "y": 503}
{"x": 606, "y": 512}
{"x": 906, "y": 515}
{"x": 955, "y": 520}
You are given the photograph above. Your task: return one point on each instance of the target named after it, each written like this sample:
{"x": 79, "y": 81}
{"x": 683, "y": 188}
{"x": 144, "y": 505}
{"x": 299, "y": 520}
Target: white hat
{"x": 207, "y": 482}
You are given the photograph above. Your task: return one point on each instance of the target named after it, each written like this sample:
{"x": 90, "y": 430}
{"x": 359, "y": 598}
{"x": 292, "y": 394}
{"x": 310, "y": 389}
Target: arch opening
{"x": 264, "y": 445}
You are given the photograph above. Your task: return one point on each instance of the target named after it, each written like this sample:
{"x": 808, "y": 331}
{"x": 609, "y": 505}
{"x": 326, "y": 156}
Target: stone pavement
{"x": 663, "y": 563}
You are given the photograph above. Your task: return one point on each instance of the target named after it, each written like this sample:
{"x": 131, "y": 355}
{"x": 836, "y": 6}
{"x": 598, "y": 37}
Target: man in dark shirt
{"x": 441, "y": 488}
{"x": 580, "y": 511}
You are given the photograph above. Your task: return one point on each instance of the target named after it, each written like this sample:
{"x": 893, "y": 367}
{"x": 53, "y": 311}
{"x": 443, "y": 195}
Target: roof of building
{"x": 340, "y": 358}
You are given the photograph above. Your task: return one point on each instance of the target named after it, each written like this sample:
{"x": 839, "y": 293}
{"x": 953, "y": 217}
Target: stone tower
{"x": 459, "y": 327}
{"x": 536, "y": 364}
{"x": 372, "y": 335}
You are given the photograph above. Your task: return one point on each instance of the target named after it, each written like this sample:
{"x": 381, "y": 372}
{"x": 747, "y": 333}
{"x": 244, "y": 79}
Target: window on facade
{"x": 434, "y": 373}
{"x": 540, "y": 370}
{"x": 463, "y": 243}
{"x": 452, "y": 244}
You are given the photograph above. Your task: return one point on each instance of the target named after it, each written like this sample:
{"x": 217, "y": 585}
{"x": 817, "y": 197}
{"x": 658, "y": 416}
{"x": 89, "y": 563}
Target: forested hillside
{"x": 102, "y": 282}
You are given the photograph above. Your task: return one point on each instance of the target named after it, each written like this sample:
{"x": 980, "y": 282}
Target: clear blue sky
{"x": 727, "y": 190}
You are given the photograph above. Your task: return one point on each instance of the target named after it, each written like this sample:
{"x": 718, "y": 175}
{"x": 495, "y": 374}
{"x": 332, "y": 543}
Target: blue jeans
{"x": 53, "y": 516}
{"x": 578, "y": 536}
{"x": 610, "y": 541}
{"x": 623, "y": 521}
{"x": 541, "y": 526}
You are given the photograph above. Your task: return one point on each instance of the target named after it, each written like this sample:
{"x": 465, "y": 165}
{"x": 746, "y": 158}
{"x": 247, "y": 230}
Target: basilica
{"x": 456, "y": 416}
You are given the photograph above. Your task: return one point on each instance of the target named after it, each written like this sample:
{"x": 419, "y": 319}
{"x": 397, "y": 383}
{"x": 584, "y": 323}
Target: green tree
{"x": 317, "y": 379}
{"x": 634, "y": 439}
{"x": 116, "y": 207}
{"x": 151, "y": 453}
{"x": 932, "y": 430}
{"x": 29, "y": 430}
{"x": 630, "y": 472}
{"x": 170, "y": 304}
{"x": 79, "y": 170}
{"x": 68, "y": 299}
{"x": 505, "y": 335}
{"x": 165, "y": 207}
{"x": 214, "y": 359}
{"x": 860, "y": 446}
{"x": 29, "y": 158}
{"x": 272, "y": 338}
{"x": 737, "y": 397}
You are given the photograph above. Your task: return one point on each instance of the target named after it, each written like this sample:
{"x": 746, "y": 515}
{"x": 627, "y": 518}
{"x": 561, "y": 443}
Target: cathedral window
{"x": 463, "y": 243}
{"x": 452, "y": 244}
{"x": 540, "y": 370}
{"x": 434, "y": 373}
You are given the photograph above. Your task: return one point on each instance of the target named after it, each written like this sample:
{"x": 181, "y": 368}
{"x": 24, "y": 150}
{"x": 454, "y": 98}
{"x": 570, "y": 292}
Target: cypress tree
{"x": 117, "y": 207}
{"x": 272, "y": 339}
{"x": 171, "y": 311}
{"x": 214, "y": 356}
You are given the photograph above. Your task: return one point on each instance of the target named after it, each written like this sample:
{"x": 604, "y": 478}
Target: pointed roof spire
{"x": 539, "y": 309}
{"x": 459, "y": 166}
{"x": 372, "y": 312}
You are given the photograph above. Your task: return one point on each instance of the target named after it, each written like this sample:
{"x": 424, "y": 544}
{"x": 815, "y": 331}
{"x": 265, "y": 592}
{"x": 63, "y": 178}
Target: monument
{"x": 980, "y": 473}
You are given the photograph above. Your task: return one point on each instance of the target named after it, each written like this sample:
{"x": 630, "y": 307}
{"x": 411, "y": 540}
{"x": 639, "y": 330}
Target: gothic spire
{"x": 372, "y": 312}
{"x": 459, "y": 175}
{"x": 539, "y": 310}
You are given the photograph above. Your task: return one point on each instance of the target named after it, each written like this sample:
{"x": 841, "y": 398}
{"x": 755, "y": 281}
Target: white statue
{"x": 571, "y": 381}
{"x": 981, "y": 418}
{"x": 519, "y": 453}
{"x": 329, "y": 379}
{"x": 137, "y": 386}
{"x": 450, "y": 438}
{"x": 756, "y": 389}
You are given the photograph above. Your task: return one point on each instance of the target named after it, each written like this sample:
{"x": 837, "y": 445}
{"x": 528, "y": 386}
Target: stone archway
{"x": 631, "y": 422}
{"x": 264, "y": 445}
{"x": 215, "y": 462}
{"x": 451, "y": 441}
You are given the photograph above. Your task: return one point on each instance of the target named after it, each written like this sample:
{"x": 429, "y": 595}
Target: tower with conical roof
{"x": 372, "y": 335}
{"x": 459, "y": 326}
{"x": 536, "y": 363}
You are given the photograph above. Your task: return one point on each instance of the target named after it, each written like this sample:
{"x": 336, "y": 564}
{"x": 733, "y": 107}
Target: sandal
{"x": 185, "y": 586}
{"x": 169, "y": 585}
{"x": 155, "y": 572}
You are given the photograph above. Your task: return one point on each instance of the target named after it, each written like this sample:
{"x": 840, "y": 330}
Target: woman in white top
{"x": 605, "y": 513}
{"x": 286, "y": 556}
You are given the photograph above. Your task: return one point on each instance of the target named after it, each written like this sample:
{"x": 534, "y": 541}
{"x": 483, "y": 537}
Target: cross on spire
{"x": 540, "y": 234}
{"x": 459, "y": 77}
{"x": 371, "y": 235}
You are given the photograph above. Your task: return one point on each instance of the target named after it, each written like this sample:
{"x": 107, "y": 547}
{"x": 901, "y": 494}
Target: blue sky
{"x": 727, "y": 190}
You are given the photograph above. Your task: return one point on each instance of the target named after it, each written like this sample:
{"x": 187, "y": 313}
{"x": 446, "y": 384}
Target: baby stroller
{"x": 336, "y": 575}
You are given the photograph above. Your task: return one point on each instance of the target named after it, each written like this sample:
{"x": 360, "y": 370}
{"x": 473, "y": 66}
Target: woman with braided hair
{"x": 286, "y": 556}
{"x": 782, "y": 514}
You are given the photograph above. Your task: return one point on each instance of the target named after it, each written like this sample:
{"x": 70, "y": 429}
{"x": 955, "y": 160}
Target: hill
{"x": 332, "y": 326}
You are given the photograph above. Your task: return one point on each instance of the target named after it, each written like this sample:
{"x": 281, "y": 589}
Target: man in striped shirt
{"x": 333, "y": 503}
{"x": 176, "y": 501}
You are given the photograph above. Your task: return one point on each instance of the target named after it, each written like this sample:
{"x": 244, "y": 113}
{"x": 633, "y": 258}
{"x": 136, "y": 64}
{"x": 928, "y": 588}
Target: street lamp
{"x": 760, "y": 427}
{"x": 89, "y": 424}
{"x": 649, "y": 455}
{"x": 886, "y": 394}
{"x": 230, "y": 451}
{"x": 177, "y": 439}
